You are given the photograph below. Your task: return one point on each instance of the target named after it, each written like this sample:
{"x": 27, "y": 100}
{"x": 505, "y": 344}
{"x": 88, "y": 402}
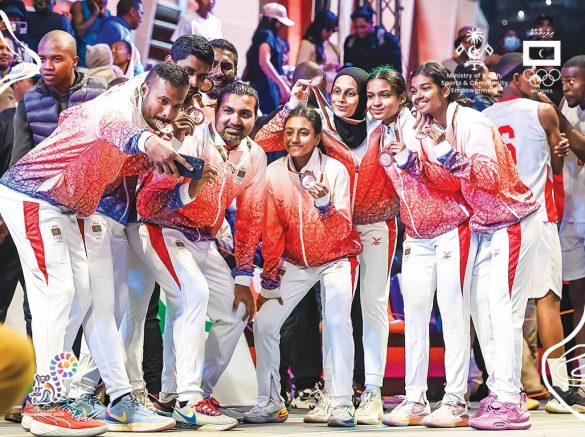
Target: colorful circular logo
{"x": 63, "y": 365}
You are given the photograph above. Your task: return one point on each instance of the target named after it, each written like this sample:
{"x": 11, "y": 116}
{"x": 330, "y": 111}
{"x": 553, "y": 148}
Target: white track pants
{"x": 337, "y": 286}
{"x": 500, "y": 289}
{"x": 107, "y": 249}
{"x": 440, "y": 264}
{"x": 379, "y": 242}
{"x": 54, "y": 262}
{"x": 197, "y": 281}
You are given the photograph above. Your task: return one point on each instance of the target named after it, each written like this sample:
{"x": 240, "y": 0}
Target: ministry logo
{"x": 475, "y": 52}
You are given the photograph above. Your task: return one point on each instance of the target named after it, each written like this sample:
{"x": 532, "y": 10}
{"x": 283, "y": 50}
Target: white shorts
{"x": 547, "y": 266}
{"x": 572, "y": 237}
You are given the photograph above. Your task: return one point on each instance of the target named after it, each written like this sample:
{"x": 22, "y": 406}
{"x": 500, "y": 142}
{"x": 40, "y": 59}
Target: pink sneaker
{"x": 502, "y": 416}
{"x": 484, "y": 404}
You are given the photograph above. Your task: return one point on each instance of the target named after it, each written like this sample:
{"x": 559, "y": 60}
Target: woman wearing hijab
{"x": 349, "y": 138}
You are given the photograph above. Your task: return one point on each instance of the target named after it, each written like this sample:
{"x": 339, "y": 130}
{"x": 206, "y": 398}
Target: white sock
{"x": 558, "y": 373}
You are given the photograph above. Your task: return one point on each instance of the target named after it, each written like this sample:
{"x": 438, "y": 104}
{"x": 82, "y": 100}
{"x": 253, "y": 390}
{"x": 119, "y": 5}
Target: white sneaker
{"x": 306, "y": 399}
{"x": 342, "y": 416}
{"x": 273, "y": 412}
{"x": 452, "y": 413}
{"x": 203, "y": 416}
{"x": 407, "y": 413}
{"x": 371, "y": 409}
{"x": 144, "y": 398}
{"x": 322, "y": 410}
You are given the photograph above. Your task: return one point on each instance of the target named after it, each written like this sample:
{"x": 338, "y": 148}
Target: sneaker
{"x": 342, "y": 416}
{"x": 226, "y": 411}
{"x": 28, "y": 413}
{"x": 90, "y": 406}
{"x": 371, "y": 409}
{"x": 532, "y": 404}
{"x": 165, "y": 405}
{"x": 273, "y": 412}
{"x": 484, "y": 404}
{"x": 144, "y": 398}
{"x": 322, "y": 410}
{"x": 407, "y": 414}
{"x": 572, "y": 397}
{"x": 306, "y": 398}
{"x": 15, "y": 415}
{"x": 61, "y": 419}
{"x": 452, "y": 413}
{"x": 130, "y": 415}
{"x": 202, "y": 416}
{"x": 503, "y": 416}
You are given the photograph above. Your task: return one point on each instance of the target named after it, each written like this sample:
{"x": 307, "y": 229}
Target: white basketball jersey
{"x": 574, "y": 173}
{"x": 517, "y": 120}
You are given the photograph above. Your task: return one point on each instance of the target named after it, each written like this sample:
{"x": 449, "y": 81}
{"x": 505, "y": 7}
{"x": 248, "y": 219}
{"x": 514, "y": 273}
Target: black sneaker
{"x": 573, "y": 398}
{"x": 306, "y": 398}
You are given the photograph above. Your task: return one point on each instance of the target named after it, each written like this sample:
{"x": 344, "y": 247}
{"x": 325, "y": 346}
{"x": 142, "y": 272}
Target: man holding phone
{"x": 177, "y": 245}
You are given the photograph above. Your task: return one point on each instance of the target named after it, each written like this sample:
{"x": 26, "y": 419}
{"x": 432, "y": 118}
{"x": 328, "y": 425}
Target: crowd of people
{"x": 115, "y": 186}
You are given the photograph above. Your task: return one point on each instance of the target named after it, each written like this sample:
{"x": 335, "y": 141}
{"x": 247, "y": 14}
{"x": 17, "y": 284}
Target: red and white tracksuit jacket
{"x": 165, "y": 201}
{"x": 430, "y": 197}
{"x": 296, "y": 228}
{"x": 475, "y": 152}
{"x": 86, "y": 152}
{"x": 373, "y": 198}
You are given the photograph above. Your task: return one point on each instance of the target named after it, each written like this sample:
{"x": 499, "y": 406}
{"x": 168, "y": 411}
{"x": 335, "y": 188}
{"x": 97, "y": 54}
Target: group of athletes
{"x": 99, "y": 213}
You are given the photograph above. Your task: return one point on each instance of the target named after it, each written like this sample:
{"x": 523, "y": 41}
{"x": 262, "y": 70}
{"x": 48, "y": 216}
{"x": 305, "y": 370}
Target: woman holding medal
{"x": 436, "y": 255}
{"x": 504, "y": 228}
{"x": 307, "y": 237}
{"x": 349, "y": 138}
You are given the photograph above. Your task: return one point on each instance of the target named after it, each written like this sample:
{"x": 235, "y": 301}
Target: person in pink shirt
{"x": 505, "y": 229}
{"x": 436, "y": 255}
{"x": 308, "y": 236}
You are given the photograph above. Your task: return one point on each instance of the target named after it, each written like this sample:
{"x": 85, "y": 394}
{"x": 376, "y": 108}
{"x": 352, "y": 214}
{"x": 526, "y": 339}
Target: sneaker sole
{"x": 141, "y": 427}
{"x": 26, "y": 423}
{"x": 562, "y": 410}
{"x": 48, "y": 430}
{"x": 507, "y": 427}
{"x": 369, "y": 420}
{"x": 409, "y": 422}
{"x": 341, "y": 423}
{"x": 460, "y": 423}
{"x": 212, "y": 428}
{"x": 271, "y": 419}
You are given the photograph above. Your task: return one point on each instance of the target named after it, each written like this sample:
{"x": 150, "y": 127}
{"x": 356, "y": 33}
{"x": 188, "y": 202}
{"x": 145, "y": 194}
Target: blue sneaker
{"x": 130, "y": 415}
{"x": 90, "y": 406}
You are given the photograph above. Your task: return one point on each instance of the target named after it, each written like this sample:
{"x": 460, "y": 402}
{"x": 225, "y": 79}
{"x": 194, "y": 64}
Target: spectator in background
{"x": 87, "y": 17}
{"x": 6, "y": 55}
{"x": 199, "y": 22}
{"x": 543, "y": 28}
{"x": 42, "y": 21}
{"x": 128, "y": 17}
{"x": 125, "y": 57}
{"x": 100, "y": 63}
{"x": 264, "y": 58}
{"x": 59, "y": 88}
{"x": 509, "y": 43}
{"x": 497, "y": 88}
{"x": 15, "y": 10}
{"x": 225, "y": 66}
{"x": 316, "y": 46}
{"x": 463, "y": 43}
{"x": 370, "y": 46}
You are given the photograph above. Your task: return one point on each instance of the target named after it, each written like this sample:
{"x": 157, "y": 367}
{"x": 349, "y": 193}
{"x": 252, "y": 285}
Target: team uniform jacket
{"x": 298, "y": 231}
{"x": 165, "y": 201}
{"x": 430, "y": 197}
{"x": 476, "y": 153}
{"x": 85, "y": 154}
{"x": 373, "y": 198}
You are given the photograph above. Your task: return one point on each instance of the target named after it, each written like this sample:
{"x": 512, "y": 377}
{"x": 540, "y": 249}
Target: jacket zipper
{"x": 301, "y": 228}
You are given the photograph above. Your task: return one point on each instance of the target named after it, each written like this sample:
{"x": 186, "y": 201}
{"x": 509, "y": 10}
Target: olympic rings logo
{"x": 542, "y": 77}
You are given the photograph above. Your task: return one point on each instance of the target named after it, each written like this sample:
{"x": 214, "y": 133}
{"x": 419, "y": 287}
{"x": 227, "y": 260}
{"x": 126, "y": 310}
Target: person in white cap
{"x": 264, "y": 58}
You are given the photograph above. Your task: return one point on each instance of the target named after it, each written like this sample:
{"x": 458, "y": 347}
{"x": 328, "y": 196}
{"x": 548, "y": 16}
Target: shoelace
{"x": 206, "y": 407}
{"x": 214, "y": 402}
{"x": 76, "y": 413}
{"x": 92, "y": 400}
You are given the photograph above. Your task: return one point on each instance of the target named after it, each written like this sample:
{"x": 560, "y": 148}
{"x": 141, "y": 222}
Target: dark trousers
{"x": 10, "y": 276}
{"x": 359, "y": 373}
{"x": 152, "y": 362}
{"x": 300, "y": 343}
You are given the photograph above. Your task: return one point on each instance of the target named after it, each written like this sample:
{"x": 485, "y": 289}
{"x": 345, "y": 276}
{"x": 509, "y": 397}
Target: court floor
{"x": 543, "y": 424}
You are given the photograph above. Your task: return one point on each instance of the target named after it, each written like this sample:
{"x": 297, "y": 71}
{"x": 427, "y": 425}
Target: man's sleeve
{"x": 108, "y": 34}
{"x": 347, "y": 53}
{"x": 23, "y": 137}
{"x": 392, "y": 51}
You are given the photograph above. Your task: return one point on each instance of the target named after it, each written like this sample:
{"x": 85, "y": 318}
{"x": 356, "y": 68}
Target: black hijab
{"x": 354, "y": 134}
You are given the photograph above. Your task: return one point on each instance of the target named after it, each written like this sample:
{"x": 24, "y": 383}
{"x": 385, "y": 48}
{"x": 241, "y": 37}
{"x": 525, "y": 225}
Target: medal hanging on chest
{"x": 307, "y": 179}
{"x": 389, "y": 135}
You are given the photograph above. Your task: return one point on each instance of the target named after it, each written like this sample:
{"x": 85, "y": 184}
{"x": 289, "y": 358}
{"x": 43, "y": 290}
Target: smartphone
{"x": 19, "y": 27}
{"x": 196, "y": 163}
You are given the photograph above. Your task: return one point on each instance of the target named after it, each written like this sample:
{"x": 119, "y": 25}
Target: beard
{"x": 157, "y": 123}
